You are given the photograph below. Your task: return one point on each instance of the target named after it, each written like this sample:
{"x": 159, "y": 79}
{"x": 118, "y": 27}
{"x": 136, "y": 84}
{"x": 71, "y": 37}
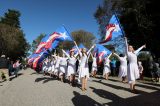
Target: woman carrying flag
{"x": 83, "y": 69}
{"x": 133, "y": 71}
{"x": 94, "y": 65}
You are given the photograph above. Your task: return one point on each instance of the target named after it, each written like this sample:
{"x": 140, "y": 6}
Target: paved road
{"x": 31, "y": 89}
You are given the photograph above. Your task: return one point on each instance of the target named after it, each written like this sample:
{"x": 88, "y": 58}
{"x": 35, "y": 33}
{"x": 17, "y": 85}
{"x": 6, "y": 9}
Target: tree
{"x": 11, "y": 18}
{"x": 36, "y": 42}
{"x": 13, "y": 43}
{"x": 80, "y": 36}
{"x": 140, "y": 21}
{"x": 83, "y": 37}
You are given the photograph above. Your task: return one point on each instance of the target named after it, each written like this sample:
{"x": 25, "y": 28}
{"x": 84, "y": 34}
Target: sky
{"x": 45, "y": 16}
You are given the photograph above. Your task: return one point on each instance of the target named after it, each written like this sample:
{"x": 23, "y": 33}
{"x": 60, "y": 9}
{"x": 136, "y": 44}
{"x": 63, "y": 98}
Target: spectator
{"x": 140, "y": 67}
{"x": 113, "y": 67}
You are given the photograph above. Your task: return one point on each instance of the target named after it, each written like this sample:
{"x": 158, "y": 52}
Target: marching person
{"x": 83, "y": 68}
{"x": 94, "y": 65}
{"x": 62, "y": 67}
{"x": 123, "y": 66}
{"x": 107, "y": 70}
{"x": 132, "y": 71}
{"x": 71, "y": 70}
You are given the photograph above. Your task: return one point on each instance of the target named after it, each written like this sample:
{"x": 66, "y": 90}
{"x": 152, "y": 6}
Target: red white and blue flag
{"x": 113, "y": 30}
{"x": 41, "y": 44}
{"x": 101, "y": 53}
{"x": 61, "y": 34}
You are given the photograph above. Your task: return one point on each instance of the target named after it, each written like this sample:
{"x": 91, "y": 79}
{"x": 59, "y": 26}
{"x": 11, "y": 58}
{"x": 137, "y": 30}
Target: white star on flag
{"x": 64, "y": 35}
{"x": 117, "y": 28}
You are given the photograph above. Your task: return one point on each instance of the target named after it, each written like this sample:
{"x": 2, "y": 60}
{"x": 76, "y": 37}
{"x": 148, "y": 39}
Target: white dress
{"x": 43, "y": 66}
{"x": 71, "y": 66}
{"x": 57, "y": 65}
{"x": 123, "y": 67}
{"x": 53, "y": 65}
{"x": 49, "y": 66}
{"x": 94, "y": 64}
{"x": 132, "y": 69}
{"x": 106, "y": 66}
{"x": 83, "y": 68}
{"x": 62, "y": 65}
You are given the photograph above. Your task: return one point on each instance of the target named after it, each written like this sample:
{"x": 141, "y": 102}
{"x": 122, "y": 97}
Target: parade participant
{"x": 107, "y": 70}
{"x": 62, "y": 67}
{"x": 132, "y": 70}
{"x": 94, "y": 65}
{"x": 49, "y": 66}
{"x": 53, "y": 63}
{"x": 45, "y": 66}
{"x": 71, "y": 70}
{"x": 57, "y": 59}
{"x": 123, "y": 66}
{"x": 83, "y": 69}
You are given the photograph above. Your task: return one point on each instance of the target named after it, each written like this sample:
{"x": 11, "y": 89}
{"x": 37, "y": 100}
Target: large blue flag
{"x": 61, "y": 34}
{"x": 113, "y": 29}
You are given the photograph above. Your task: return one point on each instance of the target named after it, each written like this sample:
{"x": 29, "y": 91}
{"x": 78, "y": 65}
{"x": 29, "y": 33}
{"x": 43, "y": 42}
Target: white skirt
{"x": 44, "y": 68}
{"x": 94, "y": 68}
{"x": 71, "y": 69}
{"x": 53, "y": 68}
{"x": 132, "y": 72}
{"x": 106, "y": 70}
{"x": 62, "y": 68}
{"x": 122, "y": 71}
{"x": 83, "y": 72}
{"x": 49, "y": 68}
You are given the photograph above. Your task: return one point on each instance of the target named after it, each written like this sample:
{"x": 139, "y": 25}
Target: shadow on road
{"x": 13, "y": 77}
{"x": 118, "y": 87}
{"x": 83, "y": 100}
{"x": 147, "y": 99}
{"x": 44, "y": 79}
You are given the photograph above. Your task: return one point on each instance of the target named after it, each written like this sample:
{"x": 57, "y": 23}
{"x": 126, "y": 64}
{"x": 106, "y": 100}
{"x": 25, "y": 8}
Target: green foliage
{"x": 83, "y": 37}
{"x": 3, "y": 76}
{"x": 13, "y": 43}
{"x": 79, "y": 36}
{"x": 11, "y": 18}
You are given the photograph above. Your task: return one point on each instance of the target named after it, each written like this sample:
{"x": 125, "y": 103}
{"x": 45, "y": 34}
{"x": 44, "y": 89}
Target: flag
{"x": 31, "y": 58}
{"x": 41, "y": 44}
{"x": 65, "y": 35}
{"x": 54, "y": 45}
{"x": 101, "y": 52}
{"x": 61, "y": 34}
{"x": 40, "y": 58}
{"x": 113, "y": 29}
{"x": 43, "y": 56}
